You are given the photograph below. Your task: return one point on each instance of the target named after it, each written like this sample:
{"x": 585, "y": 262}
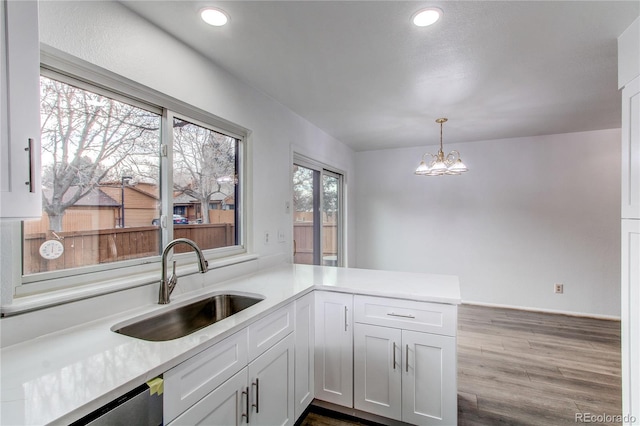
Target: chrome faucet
{"x": 167, "y": 286}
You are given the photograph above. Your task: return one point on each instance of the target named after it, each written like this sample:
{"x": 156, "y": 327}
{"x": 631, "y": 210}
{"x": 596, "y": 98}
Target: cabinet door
{"x": 377, "y": 370}
{"x": 20, "y": 186}
{"x": 271, "y": 376}
{"x": 190, "y": 381}
{"x": 630, "y": 317}
{"x": 303, "y": 367}
{"x": 226, "y": 405}
{"x": 264, "y": 333}
{"x": 631, "y": 150}
{"x": 334, "y": 348}
{"x": 429, "y": 389}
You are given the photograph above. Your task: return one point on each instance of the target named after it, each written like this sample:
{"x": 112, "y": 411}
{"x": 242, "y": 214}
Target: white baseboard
{"x": 548, "y": 311}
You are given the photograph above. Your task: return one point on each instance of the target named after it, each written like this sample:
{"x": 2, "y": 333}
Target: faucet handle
{"x": 173, "y": 271}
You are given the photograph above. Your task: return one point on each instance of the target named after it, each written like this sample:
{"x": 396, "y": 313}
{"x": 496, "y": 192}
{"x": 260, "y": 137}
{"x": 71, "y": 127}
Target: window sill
{"x": 24, "y": 304}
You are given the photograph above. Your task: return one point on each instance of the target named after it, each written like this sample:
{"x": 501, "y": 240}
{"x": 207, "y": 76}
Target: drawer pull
{"x": 345, "y": 318}
{"x": 246, "y": 393}
{"x": 30, "y": 182}
{"x": 407, "y": 359}
{"x": 257, "y": 404}
{"x": 393, "y": 314}
{"x": 394, "y": 355}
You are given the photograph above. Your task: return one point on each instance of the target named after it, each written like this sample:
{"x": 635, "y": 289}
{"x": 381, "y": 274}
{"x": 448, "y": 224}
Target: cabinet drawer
{"x": 406, "y": 314}
{"x": 187, "y": 383}
{"x": 267, "y": 331}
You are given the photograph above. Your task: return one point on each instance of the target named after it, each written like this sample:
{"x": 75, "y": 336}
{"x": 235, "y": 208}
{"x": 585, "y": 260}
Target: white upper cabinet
{"x": 629, "y": 81}
{"x": 629, "y": 54}
{"x": 631, "y": 150}
{"x": 20, "y": 187}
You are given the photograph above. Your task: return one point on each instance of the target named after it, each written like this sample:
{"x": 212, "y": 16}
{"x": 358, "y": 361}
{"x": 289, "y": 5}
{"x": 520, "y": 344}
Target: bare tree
{"x": 204, "y": 163}
{"x": 302, "y": 189}
{"x": 84, "y": 137}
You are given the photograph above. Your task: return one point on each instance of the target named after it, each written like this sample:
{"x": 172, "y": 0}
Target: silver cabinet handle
{"x": 246, "y": 393}
{"x": 406, "y": 362}
{"x": 393, "y": 314}
{"x": 257, "y": 404}
{"x": 394, "y": 355}
{"x": 29, "y": 149}
{"x": 345, "y": 318}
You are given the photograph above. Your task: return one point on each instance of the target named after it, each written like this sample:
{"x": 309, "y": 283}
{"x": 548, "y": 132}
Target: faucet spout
{"x": 167, "y": 285}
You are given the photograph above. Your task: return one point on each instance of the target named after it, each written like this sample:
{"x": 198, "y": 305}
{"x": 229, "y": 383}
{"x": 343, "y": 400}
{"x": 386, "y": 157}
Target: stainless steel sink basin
{"x": 187, "y": 319}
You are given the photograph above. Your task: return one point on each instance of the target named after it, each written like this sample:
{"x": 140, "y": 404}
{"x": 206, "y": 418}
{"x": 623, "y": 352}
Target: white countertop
{"x": 60, "y": 377}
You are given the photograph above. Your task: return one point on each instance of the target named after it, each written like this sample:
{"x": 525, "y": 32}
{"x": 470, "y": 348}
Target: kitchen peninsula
{"x": 60, "y": 377}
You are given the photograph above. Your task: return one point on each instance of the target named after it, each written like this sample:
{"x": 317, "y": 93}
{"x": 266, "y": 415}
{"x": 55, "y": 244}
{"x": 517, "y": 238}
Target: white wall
{"x": 112, "y": 37}
{"x": 531, "y": 212}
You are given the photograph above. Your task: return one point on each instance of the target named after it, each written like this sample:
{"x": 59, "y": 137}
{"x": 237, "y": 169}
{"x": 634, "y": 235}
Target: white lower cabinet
{"x": 260, "y": 394}
{"x": 194, "y": 379}
{"x": 377, "y": 370}
{"x": 223, "y": 385}
{"x": 334, "y": 348}
{"x": 271, "y": 387}
{"x": 400, "y": 373}
{"x": 429, "y": 389}
{"x": 304, "y": 357}
{"x": 389, "y": 357}
{"x": 226, "y": 405}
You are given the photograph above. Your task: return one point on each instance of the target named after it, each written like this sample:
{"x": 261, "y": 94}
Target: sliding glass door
{"x": 317, "y": 214}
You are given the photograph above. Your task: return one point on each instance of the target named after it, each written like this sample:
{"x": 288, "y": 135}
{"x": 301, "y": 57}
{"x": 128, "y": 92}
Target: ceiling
{"x": 362, "y": 72}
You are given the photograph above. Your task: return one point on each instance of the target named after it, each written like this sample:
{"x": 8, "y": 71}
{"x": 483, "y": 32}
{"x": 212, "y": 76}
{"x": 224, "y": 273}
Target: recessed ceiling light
{"x": 213, "y": 16}
{"x": 426, "y": 17}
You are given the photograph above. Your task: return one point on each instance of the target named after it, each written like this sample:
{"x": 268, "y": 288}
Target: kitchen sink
{"x": 184, "y": 320}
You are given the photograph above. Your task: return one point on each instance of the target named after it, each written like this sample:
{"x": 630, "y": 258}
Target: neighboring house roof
{"x": 95, "y": 197}
{"x": 187, "y": 199}
{"x": 150, "y": 190}
{"x": 184, "y": 199}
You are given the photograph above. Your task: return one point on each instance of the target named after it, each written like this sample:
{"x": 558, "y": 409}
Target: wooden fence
{"x": 84, "y": 248}
{"x": 303, "y": 237}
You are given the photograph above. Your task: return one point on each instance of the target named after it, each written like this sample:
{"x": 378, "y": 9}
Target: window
{"x": 205, "y": 177}
{"x": 116, "y": 188}
{"x": 317, "y": 219}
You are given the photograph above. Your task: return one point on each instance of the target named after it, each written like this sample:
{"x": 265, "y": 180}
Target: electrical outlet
{"x": 287, "y": 207}
{"x": 558, "y": 288}
{"x": 266, "y": 237}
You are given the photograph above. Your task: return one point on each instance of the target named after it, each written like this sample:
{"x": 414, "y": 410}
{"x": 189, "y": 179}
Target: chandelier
{"x": 440, "y": 165}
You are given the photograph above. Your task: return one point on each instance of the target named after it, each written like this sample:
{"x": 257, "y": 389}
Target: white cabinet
{"x": 334, "y": 348}
{"x": 629, "y": 81}
{"x": 226, "y": 405}
{"x": 631, "y": 150}
{"x": 304, "y": 356}
{"x": 630, "y": 323}
{"x": 401, "y": 373}
{"x": 265, "y": 332}
{"x": 189, "y": 382}
{"x": 429, "y": 384}
{"x": 222, "y": 385}
{"x": 271, "y": 387}
{"x": 20, "y": 186}
{"x": 377, "y": 369}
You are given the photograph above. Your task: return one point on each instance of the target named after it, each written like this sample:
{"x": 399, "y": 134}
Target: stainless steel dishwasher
{"x": 137, "y": 407}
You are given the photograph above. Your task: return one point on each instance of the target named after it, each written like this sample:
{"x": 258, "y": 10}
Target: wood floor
{"x": 528, "y": 368}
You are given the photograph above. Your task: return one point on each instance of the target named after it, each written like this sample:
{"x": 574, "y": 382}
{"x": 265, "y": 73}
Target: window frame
{"x": 108, "y": 277}
{"x": 325, "y": 170}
